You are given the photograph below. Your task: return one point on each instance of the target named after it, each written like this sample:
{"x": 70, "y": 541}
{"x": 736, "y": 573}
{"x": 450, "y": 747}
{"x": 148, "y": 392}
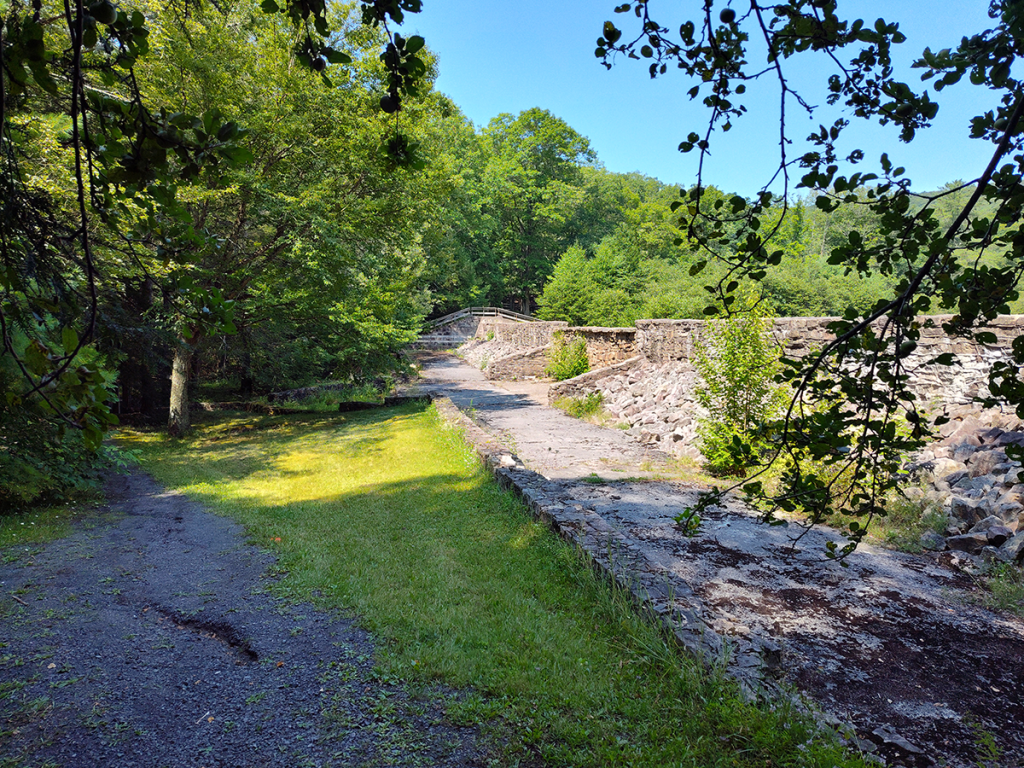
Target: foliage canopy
{"x": 852, "y": 396}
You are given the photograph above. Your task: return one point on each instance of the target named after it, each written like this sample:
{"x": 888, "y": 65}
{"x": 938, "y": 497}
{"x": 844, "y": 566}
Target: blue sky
{"x": 502, "y": 56}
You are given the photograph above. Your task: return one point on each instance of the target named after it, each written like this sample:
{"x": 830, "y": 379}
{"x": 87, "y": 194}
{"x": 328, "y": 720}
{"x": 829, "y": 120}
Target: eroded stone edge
{"x": 671, "y": 607}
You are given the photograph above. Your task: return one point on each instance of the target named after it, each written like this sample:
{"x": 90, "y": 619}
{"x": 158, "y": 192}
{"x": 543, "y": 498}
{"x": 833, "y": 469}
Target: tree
{"x": 317, "y": 223}
{"x": 70, "y": 69}
{"x": 534, "y": 183}
{"x": 737, "y": 362}
{"x": 851, "y": 398}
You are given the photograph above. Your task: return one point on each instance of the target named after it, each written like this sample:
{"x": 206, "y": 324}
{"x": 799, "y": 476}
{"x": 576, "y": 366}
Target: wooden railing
{"x": 480, "y": 312}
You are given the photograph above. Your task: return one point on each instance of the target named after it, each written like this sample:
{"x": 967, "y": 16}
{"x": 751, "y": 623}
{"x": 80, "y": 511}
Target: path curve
{"x": 548, "y": 441}
{"x": 894, "y": 644}
{"x": 147, "y": 638}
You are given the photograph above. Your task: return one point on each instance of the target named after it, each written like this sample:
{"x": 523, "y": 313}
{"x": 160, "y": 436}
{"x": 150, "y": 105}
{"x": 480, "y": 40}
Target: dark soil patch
{"x": 934, "y": 672}
{"x": 149, "y": 640}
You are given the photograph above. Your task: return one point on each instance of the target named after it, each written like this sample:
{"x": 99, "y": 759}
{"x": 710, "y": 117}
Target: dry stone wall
{"x": 512, "y": 350}
{"x": 606, "y": 346}
{"x": 528, "y": 364}
{"x": 654, "y": 395}
{"x": 649, "y": 393}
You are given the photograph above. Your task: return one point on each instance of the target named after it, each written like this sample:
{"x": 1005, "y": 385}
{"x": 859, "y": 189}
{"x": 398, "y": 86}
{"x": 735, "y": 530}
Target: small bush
{"x": 905, "y": 521}
{"x": 738, "y": 362}
{"x": 1006, "y": 589}
{"x": 581, "y": 407}
{"x": 567, "y": 359}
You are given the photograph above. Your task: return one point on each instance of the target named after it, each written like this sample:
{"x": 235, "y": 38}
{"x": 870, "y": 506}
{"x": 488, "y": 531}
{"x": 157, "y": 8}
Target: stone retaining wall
{"x": 605, "y": 346}
{"x": 649, "y": 392}
{"x": 528, "y": 364}
{"x": 589, "y": 382}
{"x": 526, "y": 335}
{"x": 654, "y": 394}
{"x": 609, "y": 553}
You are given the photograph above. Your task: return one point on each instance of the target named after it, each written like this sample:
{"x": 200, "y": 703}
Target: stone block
{"x": 998, "y": 535}
{"x": 965, "y": 509}
{"x": 932, "y": 541}
{"x": 1014, "y": 547}
{"x": 971, "y": 543}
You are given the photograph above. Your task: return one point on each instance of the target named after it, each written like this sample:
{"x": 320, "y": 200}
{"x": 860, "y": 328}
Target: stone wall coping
{"x": 670, "y": 321}
{"x": 600, "y": 329}
{"x": 601, "y": 547}
{"x": 568, "y": 385}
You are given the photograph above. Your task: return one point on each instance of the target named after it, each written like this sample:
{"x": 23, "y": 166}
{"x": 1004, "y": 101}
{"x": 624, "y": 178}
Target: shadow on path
{"x": 149, "y": 640}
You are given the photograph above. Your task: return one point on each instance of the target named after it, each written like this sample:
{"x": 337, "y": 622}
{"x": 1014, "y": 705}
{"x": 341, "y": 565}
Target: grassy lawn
{"x": 387, "y": 514}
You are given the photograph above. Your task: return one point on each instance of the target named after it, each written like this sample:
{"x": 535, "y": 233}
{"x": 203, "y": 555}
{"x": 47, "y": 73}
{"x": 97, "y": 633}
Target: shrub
{"x": 738, "y": 362}
{"x": 42, "y": 458}
{"x": 581, "y": 407}
{"x": 567, "y": 359}
{"x": 1006, "y": 589}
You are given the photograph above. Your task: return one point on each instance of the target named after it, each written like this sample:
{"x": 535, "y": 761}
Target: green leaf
{"x": 236, "y": 155}
{"x": 337, "y": 57}
{"x": 69, "y": 338}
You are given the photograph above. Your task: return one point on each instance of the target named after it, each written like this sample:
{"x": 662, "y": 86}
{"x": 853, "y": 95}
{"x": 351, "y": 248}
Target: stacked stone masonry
{"x": 647, "y": 379}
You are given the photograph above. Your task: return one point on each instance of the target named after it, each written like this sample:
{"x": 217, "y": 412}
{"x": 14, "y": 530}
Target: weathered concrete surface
{"x": 891, "y": 644}
{"x": 546, "y": 439}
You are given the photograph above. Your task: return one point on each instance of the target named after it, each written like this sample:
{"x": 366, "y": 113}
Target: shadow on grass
{"x": 388, "y": 515}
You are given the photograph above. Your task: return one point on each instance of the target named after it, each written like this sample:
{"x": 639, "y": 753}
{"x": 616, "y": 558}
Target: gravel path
{"x": 893, "y": 644}
{"x": 147, "y": 639}
{"x": 558, "y": 446}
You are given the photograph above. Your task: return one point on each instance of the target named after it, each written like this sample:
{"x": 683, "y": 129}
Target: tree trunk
{"x": 178, "y": 421}
{"x": 246, "y": 383}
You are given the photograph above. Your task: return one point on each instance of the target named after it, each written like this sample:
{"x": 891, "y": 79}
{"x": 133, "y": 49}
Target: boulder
{"x": 985, "y": 462}
{"x": 964, "y": 451}
{"x": 988, "y": 522}
{"x": 1011, "y": 438}
{"x": 956, "y": 477}
{"x": 965, "y": 509}
{"x": 998, "y": 535}
{"x": 991, "y": 435}
{"x": 1008, "y": 510}
{"x": 945, "y": 466}
{"x": 971, "y": 543}
{"x": 993, "y": 555}
{"x": 1014, "y": 548}
{"x": 932, "y": 541}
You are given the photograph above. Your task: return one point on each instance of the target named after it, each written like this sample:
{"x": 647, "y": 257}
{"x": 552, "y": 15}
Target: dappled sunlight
{"x": 525, "y": 539}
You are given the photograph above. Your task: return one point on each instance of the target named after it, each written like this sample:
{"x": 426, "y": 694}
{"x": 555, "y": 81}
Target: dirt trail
{"x": 893, "y": 644}
{"x": 147, "y": 639}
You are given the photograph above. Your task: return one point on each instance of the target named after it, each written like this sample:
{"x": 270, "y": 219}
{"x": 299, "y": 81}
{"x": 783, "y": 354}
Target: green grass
{"x": 586, "y": 407}
{"x": 387, "y": 514}
{"x": 38, "y": 525}
{"x": 1005, "y": 584}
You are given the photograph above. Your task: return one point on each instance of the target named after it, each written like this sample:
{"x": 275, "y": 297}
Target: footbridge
{"x": 462, "y": 325}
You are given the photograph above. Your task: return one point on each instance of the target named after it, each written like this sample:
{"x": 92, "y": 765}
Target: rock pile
{"x": 657, "y": 402}
{"x": 968, "y": 477}
{"x": 480, "y": 352}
